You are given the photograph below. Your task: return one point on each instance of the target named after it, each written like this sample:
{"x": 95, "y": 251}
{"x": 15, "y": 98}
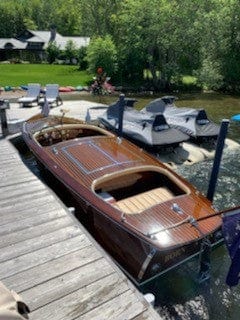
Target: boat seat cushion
{"x": 143, "y": 201}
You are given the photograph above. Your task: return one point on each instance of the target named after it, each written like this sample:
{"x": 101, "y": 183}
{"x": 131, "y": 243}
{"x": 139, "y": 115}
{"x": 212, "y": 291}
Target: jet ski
{"x": 148, "y": 130}
{"x": 193, "y": 122}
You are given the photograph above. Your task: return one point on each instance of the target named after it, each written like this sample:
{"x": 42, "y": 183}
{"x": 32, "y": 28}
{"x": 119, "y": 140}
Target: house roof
{"x": 61, "y": 41}
{"x": 43, "y": 38}
{"x": 78, "y": 41}
{"x": 12, "y": 43}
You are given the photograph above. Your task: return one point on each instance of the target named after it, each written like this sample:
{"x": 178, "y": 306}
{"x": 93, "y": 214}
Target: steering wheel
{"x": 49, "y": 137}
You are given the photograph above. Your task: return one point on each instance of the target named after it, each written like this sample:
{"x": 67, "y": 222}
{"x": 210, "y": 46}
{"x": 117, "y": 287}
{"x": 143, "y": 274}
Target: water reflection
{"x": 228, "y": 188}
{"x": 180, "y": 296}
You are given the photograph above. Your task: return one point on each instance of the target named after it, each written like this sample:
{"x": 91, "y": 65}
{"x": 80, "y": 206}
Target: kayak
{"x": 236, "y": 117}
{"x": 65, "y": 89}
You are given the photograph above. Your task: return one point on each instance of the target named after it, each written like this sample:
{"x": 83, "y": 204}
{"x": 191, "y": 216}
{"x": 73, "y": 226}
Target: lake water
{"x": 178, "y": 294}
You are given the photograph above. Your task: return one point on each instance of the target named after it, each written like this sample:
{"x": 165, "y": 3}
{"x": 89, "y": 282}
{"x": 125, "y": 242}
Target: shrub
{"x": 209, "y": 75}
{"x": 102, "y": 52}
{"x": 53, "y": 52}
{"x": 70, "y": 51}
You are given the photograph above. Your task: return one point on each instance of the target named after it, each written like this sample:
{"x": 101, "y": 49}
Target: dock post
{"x": 4, "y": 104}
{"x": 205, "y": 261}
{"x": 120, "y": 115}
{"x": 217, "y": 159}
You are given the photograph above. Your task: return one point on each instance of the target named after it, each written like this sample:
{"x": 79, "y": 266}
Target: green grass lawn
{"x": 218, "y": 106}
{"x": 15, "y": 75}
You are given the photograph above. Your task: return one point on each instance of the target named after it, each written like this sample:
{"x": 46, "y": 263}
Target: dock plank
{"x": 85, "y": 299}
{"x": 67, "y": 283}
{"x": 9, "y": 158}
{"x": 29, "y": 260}
{"x": 21, "y": 197}
{"x": 31, "y": 221}
{"x": 128, "y": 308}
{"x": 42, "y": 241}
{"x": 53, "y": 268}
{"x": 41, "y": 205}
{"x": 43, "y": 198}
{"x": 17, "y": 190}
{"x": 6, "y": 179}
{"x": 18, "y": 169}
{"x": 33, "y": 232}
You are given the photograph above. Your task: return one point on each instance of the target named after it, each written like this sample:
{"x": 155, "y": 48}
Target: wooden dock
{"x": 50, "y": 260}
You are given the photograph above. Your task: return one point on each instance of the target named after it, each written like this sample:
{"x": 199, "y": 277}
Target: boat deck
{"x": 50, "y": 260}
{"x": 142, "y": 201}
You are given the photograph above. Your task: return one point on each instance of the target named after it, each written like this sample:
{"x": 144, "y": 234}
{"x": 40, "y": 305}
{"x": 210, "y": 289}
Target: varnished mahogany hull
{"x": 131, "y": 251}
{"x": 84, "y": 165}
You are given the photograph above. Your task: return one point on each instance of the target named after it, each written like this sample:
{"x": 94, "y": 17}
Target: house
{"x": 31, "y": 45}
{"x": 10, "y": 48}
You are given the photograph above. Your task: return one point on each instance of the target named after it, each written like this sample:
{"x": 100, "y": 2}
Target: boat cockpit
{"x": 54, "y": 134}
{"x": 137, "y": 189}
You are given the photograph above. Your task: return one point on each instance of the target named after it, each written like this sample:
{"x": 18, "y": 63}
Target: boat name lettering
{"x": 174, "y": 254}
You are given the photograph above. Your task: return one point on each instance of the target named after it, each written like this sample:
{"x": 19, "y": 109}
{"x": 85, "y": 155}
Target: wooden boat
{"x": 146, "y": 216}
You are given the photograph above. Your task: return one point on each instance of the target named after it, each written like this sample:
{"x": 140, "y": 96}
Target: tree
{"x": 150, "y": 36}
{"x": 98, "y": 16}
{"x": 168, "y": 37}
{"x": 81, "y": 56}
{"x": 209, "y": 75}
{"x": 70, "y": 51}
{"x": 230, "y": 45}
{"x": 11, "y": 18}
{"x": 53, "y": 51}
{"x": 102, "y": 52}
{"x": 68, "y": 17}
{"x": 29, "y": 24}
{"x": 219, "y": 58}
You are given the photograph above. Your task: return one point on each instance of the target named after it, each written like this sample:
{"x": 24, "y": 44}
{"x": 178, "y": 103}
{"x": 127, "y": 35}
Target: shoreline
{"x": 13, "y": 95}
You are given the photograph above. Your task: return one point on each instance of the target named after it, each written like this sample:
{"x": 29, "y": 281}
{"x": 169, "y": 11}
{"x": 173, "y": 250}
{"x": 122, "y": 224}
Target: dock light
{"x": 150, "y": 298}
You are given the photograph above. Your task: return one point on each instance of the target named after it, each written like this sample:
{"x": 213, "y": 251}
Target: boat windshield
{"x": 133, "y": 191}
{"x": 54, "y": 134}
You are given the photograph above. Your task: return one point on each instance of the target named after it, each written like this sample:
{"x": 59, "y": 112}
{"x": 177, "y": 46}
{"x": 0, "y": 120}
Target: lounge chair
{"x": 33, "y": 93}
{"x": 52, "y": 94}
